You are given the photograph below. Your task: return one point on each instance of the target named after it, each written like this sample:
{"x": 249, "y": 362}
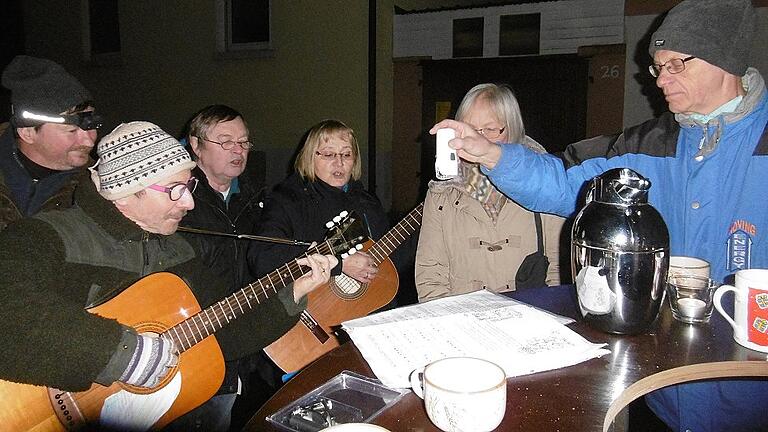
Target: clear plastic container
{"x": 345, "y": 398}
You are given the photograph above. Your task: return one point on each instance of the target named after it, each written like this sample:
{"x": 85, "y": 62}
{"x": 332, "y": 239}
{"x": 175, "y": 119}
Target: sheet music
{"x": 519, "y": 338}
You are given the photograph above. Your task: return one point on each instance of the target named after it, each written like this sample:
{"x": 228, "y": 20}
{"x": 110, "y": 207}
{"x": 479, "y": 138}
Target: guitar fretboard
{"x": 397, "y": 235}
{"x": 209, "y": 320}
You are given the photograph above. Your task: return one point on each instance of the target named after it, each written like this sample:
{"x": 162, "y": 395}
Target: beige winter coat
{"x": 461, "y": 250}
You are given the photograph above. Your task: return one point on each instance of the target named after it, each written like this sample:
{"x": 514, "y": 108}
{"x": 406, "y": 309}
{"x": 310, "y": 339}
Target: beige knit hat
{"x": 135, "y": 155}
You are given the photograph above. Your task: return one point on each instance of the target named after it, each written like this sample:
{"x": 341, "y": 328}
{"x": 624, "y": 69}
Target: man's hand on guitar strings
{"x": 319, "y": 274}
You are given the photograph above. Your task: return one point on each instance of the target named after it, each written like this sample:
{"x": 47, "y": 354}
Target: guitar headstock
{"x": 346, "y": 234}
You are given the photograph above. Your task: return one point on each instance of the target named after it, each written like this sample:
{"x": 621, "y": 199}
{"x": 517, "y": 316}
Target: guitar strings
{"x": 380, "y": 251}
{"x": 223, "y": 311}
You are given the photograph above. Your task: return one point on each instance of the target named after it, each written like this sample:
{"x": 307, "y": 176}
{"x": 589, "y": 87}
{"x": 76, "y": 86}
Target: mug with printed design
{"x": 750, "y": 317}
{"x": 462, "y": 394}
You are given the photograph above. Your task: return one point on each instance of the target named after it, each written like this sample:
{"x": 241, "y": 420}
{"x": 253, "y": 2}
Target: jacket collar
{"x": 102, "y": 210}
{"x": 754, "y": 85}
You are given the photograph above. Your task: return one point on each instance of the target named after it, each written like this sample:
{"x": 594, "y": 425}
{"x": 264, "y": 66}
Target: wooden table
{"x": 584, "y": 397}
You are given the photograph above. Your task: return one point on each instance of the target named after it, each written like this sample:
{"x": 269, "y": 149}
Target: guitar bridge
{"x": 66, "y": 409}
{"x": 313, "y": 326}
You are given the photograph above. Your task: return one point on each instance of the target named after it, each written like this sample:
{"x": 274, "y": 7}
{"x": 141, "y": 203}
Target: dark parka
{"x": 239, "y": 215}
{"x": 20, "y": 194}
{"x": 92, "y": 252}
{"x": 225, "y": 257}
{"x": 298, "y": 209}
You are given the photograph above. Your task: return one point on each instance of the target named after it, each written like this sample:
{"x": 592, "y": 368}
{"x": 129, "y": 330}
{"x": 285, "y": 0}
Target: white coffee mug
{"x": 462, "y": 394}
{"x": 686, "y": 266}
{"x": 750, "y": 318}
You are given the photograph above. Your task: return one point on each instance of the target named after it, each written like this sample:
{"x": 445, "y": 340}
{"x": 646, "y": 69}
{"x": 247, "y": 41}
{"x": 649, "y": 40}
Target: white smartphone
{"x": 446, "y": 160}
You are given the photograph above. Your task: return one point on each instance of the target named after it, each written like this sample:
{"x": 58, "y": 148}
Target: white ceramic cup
{"x": 462, "y": 394}
{"x": 750, "y": 318}
{"x": 687, "y": 266}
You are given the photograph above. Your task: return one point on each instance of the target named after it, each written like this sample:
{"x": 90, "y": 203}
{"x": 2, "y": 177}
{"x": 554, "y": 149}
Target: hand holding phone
{"x": 446, "y": 160}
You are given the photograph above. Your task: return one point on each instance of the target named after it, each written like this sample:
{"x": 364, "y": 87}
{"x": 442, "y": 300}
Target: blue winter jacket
{"x": 709, "y": 184}
{"x": 708, "y": 180}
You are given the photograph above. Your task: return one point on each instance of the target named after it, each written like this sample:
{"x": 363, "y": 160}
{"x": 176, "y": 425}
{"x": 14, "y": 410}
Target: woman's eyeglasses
{"x": 329, "y": 156}
{"x": 491, "y": 133}
{"x": 176, "y": 190}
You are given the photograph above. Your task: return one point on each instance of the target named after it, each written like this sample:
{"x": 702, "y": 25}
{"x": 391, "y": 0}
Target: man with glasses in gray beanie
{"x": 707, "y": 160}
{"x": 52, "y": 131}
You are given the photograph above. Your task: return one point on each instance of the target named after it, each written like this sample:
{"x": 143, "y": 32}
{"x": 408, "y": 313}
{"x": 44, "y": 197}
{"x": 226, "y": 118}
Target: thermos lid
{"x": 621, "y": 186}
{"x": 617, "y": 216}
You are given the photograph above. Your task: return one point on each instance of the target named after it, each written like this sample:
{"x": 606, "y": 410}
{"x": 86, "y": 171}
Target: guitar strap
{"x": 539, "y": 235}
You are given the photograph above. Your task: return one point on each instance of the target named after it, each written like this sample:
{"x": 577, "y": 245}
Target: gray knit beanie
{"x": 135, "y": 155}
{"x": 716, "y": 31}
{"x": 41, "y": 86}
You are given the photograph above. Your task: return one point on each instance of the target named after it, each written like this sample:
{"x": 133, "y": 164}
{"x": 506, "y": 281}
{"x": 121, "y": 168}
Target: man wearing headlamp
{"x": 52, "y": 131}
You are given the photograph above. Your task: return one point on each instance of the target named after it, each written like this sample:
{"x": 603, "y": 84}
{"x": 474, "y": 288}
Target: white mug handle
{"x": 718, "y": 298}
{"x": 417, "y": 381}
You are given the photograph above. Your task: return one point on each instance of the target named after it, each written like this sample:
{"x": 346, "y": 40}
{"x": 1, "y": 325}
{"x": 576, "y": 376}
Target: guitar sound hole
{"x": 348, "y": 288}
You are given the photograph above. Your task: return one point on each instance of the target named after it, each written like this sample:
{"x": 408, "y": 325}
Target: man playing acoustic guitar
{"x": 80, "y": 313}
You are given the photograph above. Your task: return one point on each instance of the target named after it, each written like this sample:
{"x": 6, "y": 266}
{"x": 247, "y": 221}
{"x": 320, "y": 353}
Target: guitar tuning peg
{"x": 352, "y": 251}
{"x": 359, "y": 247}
{"x": 344, "y": 255}
{"x": 343, "y": 213}
{"x": 329, "y": 224}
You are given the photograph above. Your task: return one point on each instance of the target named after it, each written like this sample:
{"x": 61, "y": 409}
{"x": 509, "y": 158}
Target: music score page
{"x": 519, "y": 338}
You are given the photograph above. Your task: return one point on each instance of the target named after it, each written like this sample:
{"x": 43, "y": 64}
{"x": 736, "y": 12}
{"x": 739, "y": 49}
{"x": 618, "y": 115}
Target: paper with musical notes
{"x": 519, "y": 338}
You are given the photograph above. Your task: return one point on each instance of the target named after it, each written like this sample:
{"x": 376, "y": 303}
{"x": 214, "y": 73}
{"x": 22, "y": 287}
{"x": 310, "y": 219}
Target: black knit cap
{"x": 716, "y": 31}
{"x": 42, "y": 86}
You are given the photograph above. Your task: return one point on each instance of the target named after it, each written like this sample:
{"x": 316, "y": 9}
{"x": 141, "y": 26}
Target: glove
{"x": 153, "y": 358}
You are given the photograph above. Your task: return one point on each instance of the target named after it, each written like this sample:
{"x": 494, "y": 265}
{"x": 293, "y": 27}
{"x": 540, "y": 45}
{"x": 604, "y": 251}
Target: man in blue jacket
{"x": 707, "y": 160}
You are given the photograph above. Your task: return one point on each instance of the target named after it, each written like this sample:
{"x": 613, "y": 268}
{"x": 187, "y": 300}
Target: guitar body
{"x": 161, "y": 303}
{"x": 330, "y": 305}
{"x": 153, "y": 304}
{"x": 27, "y": 408}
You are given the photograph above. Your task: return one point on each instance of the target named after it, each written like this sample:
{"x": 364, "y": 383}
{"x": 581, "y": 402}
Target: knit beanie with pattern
{"x": 135, "y": 155}
{"x": 717, "y": 31}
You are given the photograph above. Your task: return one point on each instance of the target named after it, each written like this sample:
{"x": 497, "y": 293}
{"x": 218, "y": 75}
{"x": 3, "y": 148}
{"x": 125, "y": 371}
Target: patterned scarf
{"x": 479, "y": 187}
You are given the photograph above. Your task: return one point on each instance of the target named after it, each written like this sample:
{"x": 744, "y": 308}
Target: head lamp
{"x": 85, "y": 120}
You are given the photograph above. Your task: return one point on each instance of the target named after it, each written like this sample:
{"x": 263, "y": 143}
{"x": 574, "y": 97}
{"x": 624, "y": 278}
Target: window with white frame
{"x": 519, "y": 34}
{"x": 468, "y": 37}
{"x": 244, "y": 26}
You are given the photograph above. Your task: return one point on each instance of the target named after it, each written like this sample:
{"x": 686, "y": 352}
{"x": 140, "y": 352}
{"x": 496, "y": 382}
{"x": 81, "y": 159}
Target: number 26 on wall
{"x": 610, "y": 72}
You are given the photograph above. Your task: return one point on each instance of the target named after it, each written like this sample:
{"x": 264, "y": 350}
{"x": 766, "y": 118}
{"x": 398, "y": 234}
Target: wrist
{"x": 491, "y": 158}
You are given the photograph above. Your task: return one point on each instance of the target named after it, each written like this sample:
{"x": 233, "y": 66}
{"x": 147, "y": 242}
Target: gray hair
{"x": 503, "y": 103}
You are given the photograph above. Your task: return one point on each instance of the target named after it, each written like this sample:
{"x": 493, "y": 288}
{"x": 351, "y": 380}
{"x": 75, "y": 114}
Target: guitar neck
{"x": 397, "y": 235}
{"x": 206, "y": 322}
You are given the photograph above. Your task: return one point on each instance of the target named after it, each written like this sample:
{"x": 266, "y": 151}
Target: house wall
{"x": 565, "y": 26}
{"x": 169, "y": 68}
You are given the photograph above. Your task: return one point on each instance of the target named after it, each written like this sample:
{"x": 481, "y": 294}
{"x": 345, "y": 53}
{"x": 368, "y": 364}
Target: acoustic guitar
{"x": 342, "y": 299}
{"x": 172, "y": 312}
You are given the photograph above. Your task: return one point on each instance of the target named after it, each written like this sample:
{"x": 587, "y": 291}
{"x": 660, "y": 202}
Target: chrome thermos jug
{"x": 619, "y": 254}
